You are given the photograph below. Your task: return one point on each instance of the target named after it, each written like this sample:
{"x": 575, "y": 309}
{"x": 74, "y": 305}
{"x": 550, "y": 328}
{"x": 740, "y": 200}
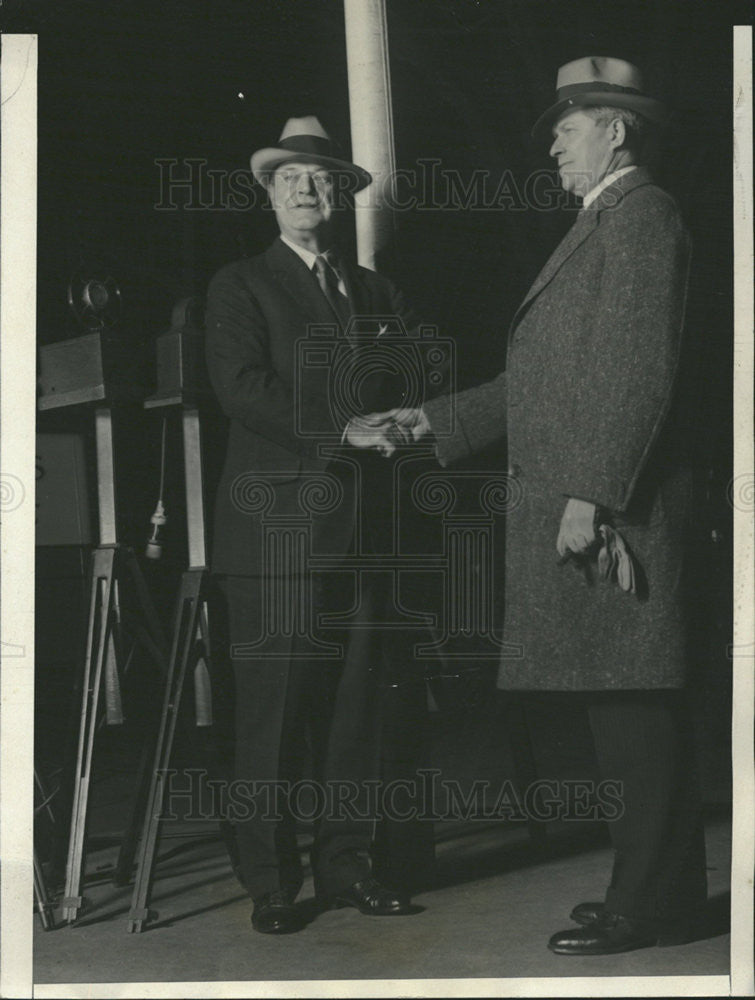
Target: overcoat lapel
{"x": 584, "y": 226}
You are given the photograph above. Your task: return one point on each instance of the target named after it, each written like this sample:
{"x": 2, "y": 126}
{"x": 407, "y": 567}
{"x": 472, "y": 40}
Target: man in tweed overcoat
{"x": 588, "y": 406}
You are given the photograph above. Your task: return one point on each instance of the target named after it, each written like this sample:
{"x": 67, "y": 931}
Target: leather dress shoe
{"x": 373, "y": 899}
{"x": 275, "y": 913}
{"x": 587, "y": 913}
{"x": 608, "y": 935}
{"x": 671, "y": 933}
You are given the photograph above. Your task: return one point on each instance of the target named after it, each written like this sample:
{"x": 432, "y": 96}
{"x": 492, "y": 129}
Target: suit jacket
{"x": 593, "y": 356}
{"x": 279, "y": 365}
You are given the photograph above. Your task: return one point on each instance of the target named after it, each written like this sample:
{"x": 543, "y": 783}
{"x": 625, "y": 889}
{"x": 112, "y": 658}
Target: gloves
{"x": 615, "y": 560}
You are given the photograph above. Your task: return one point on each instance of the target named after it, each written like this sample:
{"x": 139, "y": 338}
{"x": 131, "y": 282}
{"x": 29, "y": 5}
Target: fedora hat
{"x": 598, "y": 80}
{"x": 305, "y": 139}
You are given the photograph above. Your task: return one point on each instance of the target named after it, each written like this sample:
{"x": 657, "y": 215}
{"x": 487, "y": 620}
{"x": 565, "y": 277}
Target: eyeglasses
{"x": 321, "y": 179}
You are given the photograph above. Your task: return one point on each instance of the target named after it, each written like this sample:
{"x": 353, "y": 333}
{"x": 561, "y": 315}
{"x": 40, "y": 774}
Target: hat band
{"x": 591, "y": 88}
{"x": 312, "y": 144}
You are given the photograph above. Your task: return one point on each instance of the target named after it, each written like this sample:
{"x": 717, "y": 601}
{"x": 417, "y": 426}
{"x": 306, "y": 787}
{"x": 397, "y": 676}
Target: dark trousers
{"x": 645, "y": 740}
{"x": 291, "y": 710}
{"x": 644, "y": 744}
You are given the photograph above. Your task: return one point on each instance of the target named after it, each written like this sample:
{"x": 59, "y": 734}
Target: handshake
{"x": 384, "y": 432}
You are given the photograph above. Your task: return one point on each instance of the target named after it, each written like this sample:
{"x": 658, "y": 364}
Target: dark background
{"x": 122, "y": 86}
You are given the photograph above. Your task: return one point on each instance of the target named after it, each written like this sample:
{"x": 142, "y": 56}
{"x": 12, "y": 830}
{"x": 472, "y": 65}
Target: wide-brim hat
{"x": 594, "y": 81}
{"x": 304, "y": 139}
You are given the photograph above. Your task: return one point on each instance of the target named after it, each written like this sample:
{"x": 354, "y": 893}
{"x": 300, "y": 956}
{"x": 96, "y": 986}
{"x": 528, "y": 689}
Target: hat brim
{"x": 651, "y": 109}
{"x": 265, "y": 161}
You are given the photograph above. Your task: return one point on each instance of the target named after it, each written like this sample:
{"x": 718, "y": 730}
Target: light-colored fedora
{"x": 306, "y": 140}
{"x": 597, "y": 80}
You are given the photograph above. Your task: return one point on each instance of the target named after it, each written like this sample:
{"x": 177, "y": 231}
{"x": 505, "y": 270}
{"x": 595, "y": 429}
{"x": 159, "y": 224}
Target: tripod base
{"x": 112, "y": 565}
{"x": 190, "y": 648}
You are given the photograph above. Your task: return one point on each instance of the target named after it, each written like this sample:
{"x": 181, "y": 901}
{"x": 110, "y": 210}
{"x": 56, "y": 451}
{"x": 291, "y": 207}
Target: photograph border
{"x": 18, "y": 229}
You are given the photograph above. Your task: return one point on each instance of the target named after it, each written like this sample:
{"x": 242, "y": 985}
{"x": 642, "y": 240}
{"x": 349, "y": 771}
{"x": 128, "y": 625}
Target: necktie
{"x": 328, "y": 281}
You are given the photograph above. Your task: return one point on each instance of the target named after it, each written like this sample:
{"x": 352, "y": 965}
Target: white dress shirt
{"x": 602, "y": 185}
{"x": 309, "y": 259}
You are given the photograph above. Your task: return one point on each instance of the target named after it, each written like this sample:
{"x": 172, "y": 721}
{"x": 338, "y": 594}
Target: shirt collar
{"x": 602, "y": 185}
{"x": 306, "y": 255}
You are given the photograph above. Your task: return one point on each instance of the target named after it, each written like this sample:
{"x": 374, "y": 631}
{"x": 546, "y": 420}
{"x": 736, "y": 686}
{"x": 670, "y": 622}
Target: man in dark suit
{"x": 293, "y": 374}
{"x": 595, "y": 585}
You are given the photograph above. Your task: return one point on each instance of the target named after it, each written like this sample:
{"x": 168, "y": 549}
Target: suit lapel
{"x": 298, "y": 281}
{"x": 292, "y": 274}
{"x": 366, "y": 304}
{"x": 358, "y": 294}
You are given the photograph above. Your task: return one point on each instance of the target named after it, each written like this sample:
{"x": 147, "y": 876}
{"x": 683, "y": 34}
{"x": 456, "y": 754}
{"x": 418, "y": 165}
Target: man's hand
{"x": 577, "y": 531}
{"x": 376, "y": 431}
{"x": 411, "y": 421}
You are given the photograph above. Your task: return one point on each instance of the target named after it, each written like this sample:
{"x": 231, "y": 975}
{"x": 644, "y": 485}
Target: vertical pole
{"x": 194, "y": 488}
{"x": 371, "y": 122}
{"x": 105, "y": 475}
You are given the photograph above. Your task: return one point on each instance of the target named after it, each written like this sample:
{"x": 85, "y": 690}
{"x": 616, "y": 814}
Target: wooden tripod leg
{"x": 113, "y": 657}
{"x": 44, "y": 906}
{"x": 151, "y": 635}
{"x": 41, "y": 898}
{"x": 184, "y": 638}
{"x": 68, "y": 770}
{"x": 127, "y": 851}
{"x": 98, "y": 637}
{"x": 203, "y": 669}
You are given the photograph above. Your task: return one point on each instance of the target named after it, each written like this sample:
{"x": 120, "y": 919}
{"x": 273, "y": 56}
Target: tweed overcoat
{"x": 586, "y": 405}
{"x": 284, "y": 406}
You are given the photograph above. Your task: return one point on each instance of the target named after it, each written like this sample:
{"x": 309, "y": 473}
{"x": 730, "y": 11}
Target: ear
{"x": 617, "y": 133}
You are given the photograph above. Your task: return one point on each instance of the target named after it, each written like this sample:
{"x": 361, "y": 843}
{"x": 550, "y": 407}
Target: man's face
{"x": 302, "y": 197}
{"x": 584, "y": 150}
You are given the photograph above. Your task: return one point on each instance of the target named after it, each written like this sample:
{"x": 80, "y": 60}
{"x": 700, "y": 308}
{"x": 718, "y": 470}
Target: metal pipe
{"x": 371, "y": 112}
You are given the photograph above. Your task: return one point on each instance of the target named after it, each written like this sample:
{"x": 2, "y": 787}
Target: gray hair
{"x": 636, "y": 125}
